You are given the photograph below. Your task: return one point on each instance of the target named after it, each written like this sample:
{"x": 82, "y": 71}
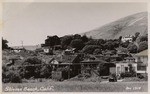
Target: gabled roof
{"x": 142, "y": 53}
{"x": 94, "y": 61}
{"x": 17, "y": 57}
{"x": 65, "y": 58}
{"x": 129, "y": 58}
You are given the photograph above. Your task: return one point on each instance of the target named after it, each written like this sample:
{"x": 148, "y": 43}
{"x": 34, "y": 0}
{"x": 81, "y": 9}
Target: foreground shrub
{"x": 11, "y": 76}
{"x": 45, "y": 71}
{"x": 31, "y": 68}
{"x": 127, "y": 74}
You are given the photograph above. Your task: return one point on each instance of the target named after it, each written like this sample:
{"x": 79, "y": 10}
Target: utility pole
{"x": 22, "y": 43}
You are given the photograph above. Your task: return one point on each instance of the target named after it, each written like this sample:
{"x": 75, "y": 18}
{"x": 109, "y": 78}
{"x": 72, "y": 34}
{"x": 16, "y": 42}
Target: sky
{"x": 33, "y": 22}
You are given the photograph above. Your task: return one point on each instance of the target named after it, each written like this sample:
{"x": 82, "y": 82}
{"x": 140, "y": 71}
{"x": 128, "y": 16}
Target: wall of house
{"x": 127, "y": 39}
{"x": 46, "y": 50}
{"x": 124, "y": 67}
{"x": 143, "y": 59}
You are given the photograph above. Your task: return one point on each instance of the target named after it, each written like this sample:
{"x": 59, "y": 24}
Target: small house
{"x": 142, "y": 61}
{"x": 18, "y": 49}
{"x": 48, "y": 50}
{"x": 127, "y": 38}
{"x": 123, "y": 66}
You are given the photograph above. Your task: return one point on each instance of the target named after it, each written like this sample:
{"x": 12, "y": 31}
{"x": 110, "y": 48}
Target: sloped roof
{"x": 142, "y": 53}
{"x": 129, "y": 58}
{"x": 94, "y": 61}
{"x": 65, "y": 58}
{"x": 15, "y": 57}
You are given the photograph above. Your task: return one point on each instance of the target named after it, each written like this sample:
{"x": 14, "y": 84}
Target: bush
{"x": 11, "y": 76}
{"x": 77, "y": 43}
{"x": 132, "y": 48}
{"x": 113, "y": 77}
{"x": 90, "y": 48}
{"x": 32, "y": 68}
{"x": 127, "y": 74}
{"x": 46, "y": 71}
{"x": 143, "y": 46}
{"x": 140, "y": 76}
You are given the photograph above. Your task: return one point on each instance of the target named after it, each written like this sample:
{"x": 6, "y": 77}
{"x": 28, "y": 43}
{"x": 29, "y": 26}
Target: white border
{"x": 109, "y": 1}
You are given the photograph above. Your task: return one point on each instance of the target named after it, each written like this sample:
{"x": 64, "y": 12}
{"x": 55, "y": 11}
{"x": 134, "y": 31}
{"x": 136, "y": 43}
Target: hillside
{"x": 125, "y": 26}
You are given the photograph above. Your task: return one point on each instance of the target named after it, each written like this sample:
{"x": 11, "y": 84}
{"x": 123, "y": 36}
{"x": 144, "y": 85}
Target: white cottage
{"x": 123, "y": 67}
{"x": 142, "y": 60}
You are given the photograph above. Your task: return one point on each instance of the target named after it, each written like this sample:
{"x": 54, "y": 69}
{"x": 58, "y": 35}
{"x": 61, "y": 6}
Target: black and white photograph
{"x": 74, "y": 47}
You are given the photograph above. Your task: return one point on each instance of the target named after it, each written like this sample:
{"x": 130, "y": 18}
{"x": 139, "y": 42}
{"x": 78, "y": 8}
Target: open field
{"x": 77, "y": 86}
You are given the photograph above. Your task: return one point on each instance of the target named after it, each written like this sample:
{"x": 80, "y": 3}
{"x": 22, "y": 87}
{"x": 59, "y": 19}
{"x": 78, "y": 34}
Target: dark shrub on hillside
{"x": 90, "y": 48}
{"x": 31, "y": 68}
{"x": 11, "y": 76}
{"x": 46, "y": 71}
{"x": 77, "y": 43}
{"x": 143, "y": 46}
{"x": 97, "y": 51}
{"x": 132, "y": 48}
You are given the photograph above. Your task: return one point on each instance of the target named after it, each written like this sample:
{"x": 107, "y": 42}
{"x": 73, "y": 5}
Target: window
{"x": 126, "y": 69}
{"x": 118, "y": 69}
{"x": 122, "y": 68}
{"x": 142, "y": 68}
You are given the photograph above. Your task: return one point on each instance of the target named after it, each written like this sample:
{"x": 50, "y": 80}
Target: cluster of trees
{"x": 89, "y": 45}
{"x": 76, "y": 41}
{"x": 32, "y": 67}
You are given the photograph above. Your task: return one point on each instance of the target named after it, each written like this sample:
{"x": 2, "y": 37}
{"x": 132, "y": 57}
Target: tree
{"x": 32, "y": 67}
{"x": 131, "y": 70}
{"x": 102, "y": 69}
{"x": 137, "y": 34}
{"x": 120, "y": 38}
{"x": 66, "y": 40}
{"x": 77, "y": 43}
{"x": 90, "y": 48}
{"x": 132, "y": 48}
{"x": 144, "y": 38}
{"x": 4, "y": 44}
{"x": 84, "y": 38}
{"x": 109, "y": 45}
{"x": 77, "y": 36}
{"x": 97, "y": 51}
{"x": 143, "y": 46}
{"x": 52, "y": 40}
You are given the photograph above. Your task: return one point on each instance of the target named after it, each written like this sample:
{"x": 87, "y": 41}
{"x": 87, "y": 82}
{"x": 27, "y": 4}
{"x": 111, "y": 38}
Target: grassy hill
{"x": 125, "y": 26}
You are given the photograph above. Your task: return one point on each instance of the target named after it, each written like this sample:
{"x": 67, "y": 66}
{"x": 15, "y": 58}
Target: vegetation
{"x": 90, "y": 48}
{"x": 143, "y": 46}
{"x": 10, "y": 75}
{"x": 4, "y": 44}
{"x": 77, "y": 43}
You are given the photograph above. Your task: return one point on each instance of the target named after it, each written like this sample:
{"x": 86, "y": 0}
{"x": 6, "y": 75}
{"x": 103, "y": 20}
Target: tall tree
{"x": 84, "y": 38}
{"x": 66, "y": 40}
{"x": 4, "y": 44}
{"x": 77, "y": 43}
{"x": 52, "y": 40}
